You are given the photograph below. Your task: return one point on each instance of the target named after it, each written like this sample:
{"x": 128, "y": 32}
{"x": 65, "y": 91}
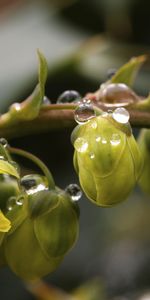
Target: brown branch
{"x": 60, "y": 116}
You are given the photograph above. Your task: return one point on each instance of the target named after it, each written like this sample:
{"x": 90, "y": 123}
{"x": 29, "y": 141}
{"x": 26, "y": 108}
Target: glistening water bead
{"x": 69, "y": 96}
{"x": 121, "y": 115}
{"x": 74, "y": 191}
{"x": 3, "y": 142}
{"x": 84, "y": 112}
{"x": 11, "y": 203}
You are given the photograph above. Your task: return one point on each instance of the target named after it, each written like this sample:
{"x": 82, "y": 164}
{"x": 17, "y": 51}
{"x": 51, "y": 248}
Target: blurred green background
{"x": 114, "y": 244}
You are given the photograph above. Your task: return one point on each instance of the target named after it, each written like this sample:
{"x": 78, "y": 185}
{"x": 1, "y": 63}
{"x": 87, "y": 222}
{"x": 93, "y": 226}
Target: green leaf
{"x": 5, "y": 224}
{"x": 7, "y": 168}
{"x": 29, "y": 109}
{"x": 127, "y": 73}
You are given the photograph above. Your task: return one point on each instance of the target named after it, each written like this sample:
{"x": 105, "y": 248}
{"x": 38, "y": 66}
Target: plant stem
{"x": 37, "y": 161}
{"x": 59, "y": 116}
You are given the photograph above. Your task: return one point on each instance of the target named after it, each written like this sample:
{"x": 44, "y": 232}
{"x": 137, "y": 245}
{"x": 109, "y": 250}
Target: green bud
{"x": 107, "y": 159}
{"x": 8, "y": 187}
{"x": 144, "y": 144}
{"x": 47, "y": 231}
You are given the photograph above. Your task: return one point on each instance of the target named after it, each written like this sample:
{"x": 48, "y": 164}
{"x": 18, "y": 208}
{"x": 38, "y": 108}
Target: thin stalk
{"x": 37, "y": 161}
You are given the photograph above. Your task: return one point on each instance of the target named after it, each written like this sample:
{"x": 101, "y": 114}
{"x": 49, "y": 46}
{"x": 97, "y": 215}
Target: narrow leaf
{"x": 7, "y": 168}
{"x": 127, "y": 73}
{"x": 5, "y": 224}
{"x": 29, "y": 109}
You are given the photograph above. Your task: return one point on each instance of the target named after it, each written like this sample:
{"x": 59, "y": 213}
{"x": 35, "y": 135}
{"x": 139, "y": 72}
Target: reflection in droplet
{"x": 104, "y": 114}
{"x": 121, "y": 115}
{"x": 81, "y": 145}
{"x": 86, "y": 101}
{"x": 28, "y": 182}
{"x": 74, "y": 191}
{"x": 46, "y": 100}
{"x": 103, "y": 141}
{"x": 115, "y": 139}
{"x": 69, "y": 96}
{"x": 11, "y": 203}
{"x": 98, "y": 138}
{"x": 3, "y": 142}
{"x": 37, "y": 188}
{"x": 16, "y": 106}
{"x": 83, "y": 113}
{"x": 2, "y": 157}
{"x": 94, "y": 124}
{"x": 92, "y": 155}
{"x": 20, "y": 200}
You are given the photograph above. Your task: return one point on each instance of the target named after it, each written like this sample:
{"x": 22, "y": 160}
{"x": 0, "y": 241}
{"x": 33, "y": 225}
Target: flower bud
{"x": 107, "y": 159}
{"x": 8, "y": 187}
{"x": 47, "y": 231}
{"x": 144, "y": 144}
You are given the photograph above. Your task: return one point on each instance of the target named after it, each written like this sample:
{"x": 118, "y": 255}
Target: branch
{"x": 60, "y": 116}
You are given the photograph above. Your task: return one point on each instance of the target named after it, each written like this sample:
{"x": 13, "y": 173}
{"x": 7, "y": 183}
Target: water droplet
{"x": 20, "y": 200}
{"x": 110, "y": 111}
{"x": 2, "y": 157}
{"x": 118, "y": 93}
{"x": 16, "y": 106}
{"x": 33, "y": 185}
{"x": 115, "y": 139}
{"x": 11, "y": 203}
{"x": 104, "y": 114}
{"x": 104, "y": 141}
{"x": 86, "y": 101}
{"x": 74, "y": 191}
{"x": 121, "y": 115}
{"x": 92, "y": 155}
{"x": 98, "y": 138}
{"x": 3, "y": 142}
{"x": 46, "y": 100}
{"x": 94, "y": 124}
{"x": 81, "y": 145}
{"x": 84, "y": 112}
{"x": 69, "y": 96}
{"x": 27, "y": 182}
{"x": 37, "y": 188}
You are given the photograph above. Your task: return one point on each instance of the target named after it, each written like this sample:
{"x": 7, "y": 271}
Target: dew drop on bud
{"x": 115, "y": 139}
{"x": 3, "y": 142}
{"x": 121, "y": 115}
{"x": 81, "y": 145}
{"x": 46, "y": 100}
{"x": 69, "y": 96}
{"x": 74, "y": 191}
{"x": 11, "y": 203}
{"x": 83, "y": 113}
{"x": 27, "y": 182}
{"x": 20, "y": 200}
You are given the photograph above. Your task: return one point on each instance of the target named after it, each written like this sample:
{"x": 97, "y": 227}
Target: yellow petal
{"x": 5, "y": 224}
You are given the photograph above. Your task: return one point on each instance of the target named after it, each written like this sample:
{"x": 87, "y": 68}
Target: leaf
{"x": 5, "y": 224}
{"x": 127, "y": 73}
{"x": 7, "y": 168}
{"x": 29, "y": 109}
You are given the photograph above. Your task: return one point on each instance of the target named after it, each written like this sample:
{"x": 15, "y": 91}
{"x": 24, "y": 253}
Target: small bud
{"x": 47, "y": 231}
{"x": 107, "y": 159}
{"x": 144, "y": 144}
{"x": 9, "y": 187}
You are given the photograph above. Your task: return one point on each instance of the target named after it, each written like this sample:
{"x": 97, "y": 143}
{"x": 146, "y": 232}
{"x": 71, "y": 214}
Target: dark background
{"x": 114, "y": 244}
